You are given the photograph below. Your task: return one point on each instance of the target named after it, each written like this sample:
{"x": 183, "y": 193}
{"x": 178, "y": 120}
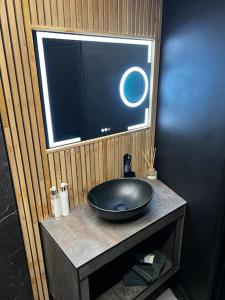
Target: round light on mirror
{"x": 134, "y": 87}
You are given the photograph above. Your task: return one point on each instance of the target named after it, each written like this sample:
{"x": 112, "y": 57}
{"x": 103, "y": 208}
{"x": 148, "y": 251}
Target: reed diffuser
{"x": 149, "y": 160}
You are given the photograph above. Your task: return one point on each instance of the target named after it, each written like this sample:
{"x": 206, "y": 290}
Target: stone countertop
{"x": 83, "y": 235}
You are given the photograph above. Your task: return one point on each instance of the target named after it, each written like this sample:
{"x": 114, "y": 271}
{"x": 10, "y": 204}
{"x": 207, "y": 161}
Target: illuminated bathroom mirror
{"x": 92, "y": 86}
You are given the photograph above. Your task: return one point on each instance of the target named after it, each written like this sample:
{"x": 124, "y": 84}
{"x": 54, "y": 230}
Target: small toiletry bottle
{"x": 53, "y": 196}
{"x": 64, "y": 198}
{"x": 55, "y": 203}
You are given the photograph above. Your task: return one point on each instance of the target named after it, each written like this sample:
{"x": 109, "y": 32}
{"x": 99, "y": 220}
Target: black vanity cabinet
{"x": 85, "y": 256}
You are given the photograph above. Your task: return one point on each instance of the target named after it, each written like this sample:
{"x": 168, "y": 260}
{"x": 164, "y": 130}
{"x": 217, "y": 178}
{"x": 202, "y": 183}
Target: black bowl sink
{"x": 120, "y": 199}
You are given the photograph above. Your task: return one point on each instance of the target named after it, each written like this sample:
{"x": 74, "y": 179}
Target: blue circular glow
{"x": 134, "y": 87}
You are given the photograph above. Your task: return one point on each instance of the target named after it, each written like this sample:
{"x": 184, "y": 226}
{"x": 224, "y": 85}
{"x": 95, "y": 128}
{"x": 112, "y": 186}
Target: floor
{"x": 167, "y": 295}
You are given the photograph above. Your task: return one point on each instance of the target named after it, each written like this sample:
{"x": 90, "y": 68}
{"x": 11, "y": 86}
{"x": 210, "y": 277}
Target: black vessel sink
{"x": 120, "y": 199}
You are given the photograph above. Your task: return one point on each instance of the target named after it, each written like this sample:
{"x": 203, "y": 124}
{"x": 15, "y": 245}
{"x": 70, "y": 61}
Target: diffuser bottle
{"x": 64, "y": 198}
{"x": 55, "y": 203}
{"x": 151, "y": 174}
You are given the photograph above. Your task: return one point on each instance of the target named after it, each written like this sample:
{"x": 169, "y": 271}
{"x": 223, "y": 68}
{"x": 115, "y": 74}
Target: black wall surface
{"x": 14, "y": 277}
{"x": 190, "y": 133}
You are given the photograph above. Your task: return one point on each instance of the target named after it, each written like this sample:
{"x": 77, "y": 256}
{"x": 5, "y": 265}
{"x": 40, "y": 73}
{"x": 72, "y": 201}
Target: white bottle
{"x": 55, "y": 203}
{"x": 64, "y": 198}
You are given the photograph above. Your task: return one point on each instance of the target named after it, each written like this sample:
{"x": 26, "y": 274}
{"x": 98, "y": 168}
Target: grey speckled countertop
{"x": 83, "y": 235}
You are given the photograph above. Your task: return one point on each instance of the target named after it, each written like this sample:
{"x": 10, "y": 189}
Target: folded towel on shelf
{"x": 142, "y": 273}
{"x": 131, "y": 278}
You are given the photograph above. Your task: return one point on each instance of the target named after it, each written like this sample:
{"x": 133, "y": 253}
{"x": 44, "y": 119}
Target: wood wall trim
{"x": 83, "y": 166}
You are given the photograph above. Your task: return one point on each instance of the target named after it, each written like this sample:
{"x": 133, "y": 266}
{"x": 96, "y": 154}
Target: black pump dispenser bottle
{"x": 127, "y": 166}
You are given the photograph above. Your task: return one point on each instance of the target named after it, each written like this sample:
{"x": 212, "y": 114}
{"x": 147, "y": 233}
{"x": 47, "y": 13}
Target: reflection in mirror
{"x": 92, "y": 86}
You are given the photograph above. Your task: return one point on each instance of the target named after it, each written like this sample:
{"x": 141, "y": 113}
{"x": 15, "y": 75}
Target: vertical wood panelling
{"x": 79, "y": 14}
{"x": 83, "y": 172}
{"x": 60, "y": 7}
{"x": 85, "y": 14}
{"x": 74, "y": 177}
{"x": 92, "y": 159}
{"x": 97, "y": 162}
{"x": 106, "y": 15}
{"x": 101, "y": 15}
{"x": 73, "y": 13}
{"x": 40, "y": 12}
{"x": 67, "y": 9}
{"x": 57, "y": 171}
{"x": 79, "y": 176}
{"x": 36, "y": 94}
{"x": 69, "y": 177}
{"x": 96, "y": 15}
{"x": 54, "y": 14}
{"x": 88, "y": 166}
{"x": 47, "y": 10}
{"x": 33, "y": 12}
{"x": 33, "y": 169}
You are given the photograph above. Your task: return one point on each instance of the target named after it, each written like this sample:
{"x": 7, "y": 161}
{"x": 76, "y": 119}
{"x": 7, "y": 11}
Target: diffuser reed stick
{"x": 150, "y": 160}
{"x": 146, "y": 160}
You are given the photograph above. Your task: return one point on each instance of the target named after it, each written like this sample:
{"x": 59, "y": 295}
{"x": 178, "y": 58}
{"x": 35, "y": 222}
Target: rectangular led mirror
{"x": 92, "y": 86}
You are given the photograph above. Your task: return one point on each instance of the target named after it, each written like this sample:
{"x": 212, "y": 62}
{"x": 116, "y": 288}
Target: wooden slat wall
{"x": 82, "y": 166}
{"x": 92, "y": 163}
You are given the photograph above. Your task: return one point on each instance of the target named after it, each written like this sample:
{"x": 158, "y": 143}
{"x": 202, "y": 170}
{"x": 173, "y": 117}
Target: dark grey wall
{"x": 190, "y": 132}
{"x": 14, "y": 277}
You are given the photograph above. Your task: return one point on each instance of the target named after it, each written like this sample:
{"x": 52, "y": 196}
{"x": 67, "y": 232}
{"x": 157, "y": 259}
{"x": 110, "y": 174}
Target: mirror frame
{"x": 96, "y": 38}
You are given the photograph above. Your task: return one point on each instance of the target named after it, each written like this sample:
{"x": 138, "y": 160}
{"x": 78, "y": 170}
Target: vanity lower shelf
{"x": 107, "y": 283}
{"x": 85, "y": 256}
{"x": 120, "y": 292}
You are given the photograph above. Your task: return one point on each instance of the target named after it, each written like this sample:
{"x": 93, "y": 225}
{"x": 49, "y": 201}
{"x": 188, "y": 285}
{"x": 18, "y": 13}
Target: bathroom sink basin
{"x": 120, "y": 199}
